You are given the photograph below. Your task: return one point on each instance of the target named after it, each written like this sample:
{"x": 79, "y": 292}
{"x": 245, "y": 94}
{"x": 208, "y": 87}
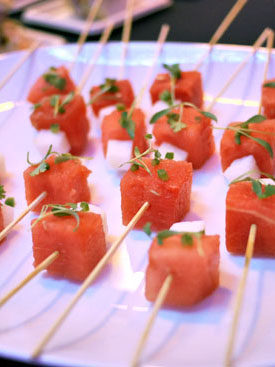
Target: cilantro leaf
{"x": 174, "y": 70}
{"x": 43, "y": 167}
{"x": 10, "y": 202}
{"x": 55, "y": 80}
{"x": 257, "y": 187}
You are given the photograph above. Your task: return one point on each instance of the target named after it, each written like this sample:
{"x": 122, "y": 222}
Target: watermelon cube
{"x": 230, "y": 150}
{"x": 268, "y": 99}
{"x": 188, "y": 87}
{"x": 197, "y": 133}
{"x": 169, "y": 196}
{"x": 79, "y": 250}
{"x": 54, "y": 81}
{"x": 244, "y": 208}
{"x": 124, "y": 95}
{"x": 195, "y": 275}
{"x": 64, "y": 182}
{"x": 112, "y": 130}
{"x": 1, "y": 220}
{"x": 70, "y": 117}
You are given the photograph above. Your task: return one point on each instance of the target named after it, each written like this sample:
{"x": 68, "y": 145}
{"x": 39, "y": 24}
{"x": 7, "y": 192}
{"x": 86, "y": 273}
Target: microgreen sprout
{"x": 109, "y": 86}
{"x": 9, "y": 201}
{"x": 269, "y": 85}
{"x": 52, "y": 78}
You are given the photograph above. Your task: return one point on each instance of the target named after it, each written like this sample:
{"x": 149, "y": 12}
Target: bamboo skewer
{"x": 104, "y": 38}
{"x": 157, "y": 305}
{"x": 261, "y": 39}
{"x": 87, "y": 26}
{"x": 229, "y": 18}
{"x": 88, "y": 281}
{"x": 19, "y": 63}
{"x": 270, "y": 41}
{"x": 126, "y": 35}
{"x": 32, "y": 205}
{"x": 28, "y": 278}
{"x": 240, "y": 294}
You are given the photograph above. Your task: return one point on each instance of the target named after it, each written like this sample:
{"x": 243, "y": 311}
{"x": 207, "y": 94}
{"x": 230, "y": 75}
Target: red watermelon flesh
{"x": 268, "y": 100}
{"x": 64, "y": 182}
{"x": 195, "y": 275}
{"x": 198, "y": 134}
{"x": 1, "y": 221}
{"x": 124, "y": 95}
{"x": 72, "y": 121}
{"x": 112, "y": 129}
{"x": 80, "y": 251}
{"x": 42, "y": 88}
{"x": 230, "y": 150}
{"x": 244, "y": 208}
{"x": 187, "y": 89}
{"x": 169, "y": 200}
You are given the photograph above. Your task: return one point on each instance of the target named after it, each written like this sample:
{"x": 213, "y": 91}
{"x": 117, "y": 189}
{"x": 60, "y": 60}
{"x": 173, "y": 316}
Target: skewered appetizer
{"x": 164, "y": 183}
{"x": 250, "y": 202}
{"x": 187, "y": 85}
{"x": 184, "y": 128}
{"x": 110, "y": 93}
{"x": 77, "y": 231}
{"x": 62, "y": 177}
{"x": 66, "y": 113}
{"x": 193, "y": 261}
{"x": 54, "y": 81}
{"x": 6, "y": 208}
{"x": 268, "y": 98}
{"x": 254, "y": 137}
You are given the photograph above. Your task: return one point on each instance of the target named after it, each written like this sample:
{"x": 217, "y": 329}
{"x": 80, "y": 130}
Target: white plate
{"x": 59, "y": 14}
{"x": 104, "y": 328}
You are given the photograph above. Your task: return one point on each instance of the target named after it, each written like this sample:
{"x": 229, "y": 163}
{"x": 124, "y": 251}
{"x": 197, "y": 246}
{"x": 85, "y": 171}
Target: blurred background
{"x": 60, "y": 21}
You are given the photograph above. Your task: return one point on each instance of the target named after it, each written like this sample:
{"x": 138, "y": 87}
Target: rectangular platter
{"x": 105, "y": 326}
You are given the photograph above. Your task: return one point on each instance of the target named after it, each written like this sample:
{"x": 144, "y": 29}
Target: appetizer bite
{"x": 191, "y": 258}
{"x": 110, "y": 93}
{"x": 187, "y": 130}
{"x": 61, "y": 176}
{"x": 6, "y": 209}
{"x": 185, "y": 85}
{"x": 122, "y": 131}
{"x": 268, "y": 98}
{"x": 251, "y": 202}
{"x": 66, "y": 113}
{"x": 164, "y": 183}
{"x": 254, "y": 137}
{"x": 77, "y": 232}
{"x": 53, "y": 81}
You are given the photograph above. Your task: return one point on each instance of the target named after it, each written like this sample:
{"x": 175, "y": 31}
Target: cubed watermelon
{"x": 187, "y": 89}
{"x": 64, "y": 182}
{"x": 169, "y": 197}
{"x": 112, "y": 129}
{"x": 197, "y": 133}
{"x": 79, "y": 250}
{"x": 1, "y": 220}
{"x": 230, "y": 150}
{"x": 54, "y": 81}
{"x": 195, "y": 275}
{"x": 71, "y": 119}
{"x": 244, "y": 208}
{"x": 268, "y": 99}
{"x": 124, "y": 95}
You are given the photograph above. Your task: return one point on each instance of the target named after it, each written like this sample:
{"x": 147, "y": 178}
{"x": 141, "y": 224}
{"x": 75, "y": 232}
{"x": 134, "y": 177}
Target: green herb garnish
{"x": 36, "y": 105}
{"x": 109, "y": 86}
{"x": 174, "y": 70}
{"x": 2, "y": 192}
{"x": 54, "y": 79}
{"x": 147, "y": 228}
{"x": 149, "y": 136}
{"x": 120, "y": 107}
{"x": 270, "y": 85}
{"x": 55, "y": 128}
{"x": 169, "y": 155}
{"x": 166, "y": 97}
{"x": 10, "y": 202}
{"x": 127, "y": 123}
{"x": 163, "y": 175}
{"x": 186, "y": 238}
{"x": 59, "y": 107}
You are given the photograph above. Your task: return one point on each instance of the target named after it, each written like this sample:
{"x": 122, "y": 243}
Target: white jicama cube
{"x": 241, "y": 166}
{"x": 195, "y": 226}
{"x": 267, "y": 181}
{"x": 3, "y": 170}
{"x": 118, "y": 152}
{"x": 105, "y": 112}
{"x": 45, "y": 138}
{"x": 179, "y": 154}
{"x": 8, "y": 214}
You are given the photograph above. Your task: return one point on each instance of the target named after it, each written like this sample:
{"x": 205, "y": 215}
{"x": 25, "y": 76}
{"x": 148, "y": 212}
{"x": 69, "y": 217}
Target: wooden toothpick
{"x": 126, "y": 35}
{"x": 261, "y": 39}
{"x": 157, "y": 305}
{"x": 85, "y": 31}
{"x": 88, "y": 281}
{"x": 50, "y": 259}
{"x": 231, "y": 15}
{"x": 32, "y": 205}
{"x": 16, "y": 67}
{"x": 270, "y": 41}
{"x": 104, "y": 38}
{"x": 240, "y": 294}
